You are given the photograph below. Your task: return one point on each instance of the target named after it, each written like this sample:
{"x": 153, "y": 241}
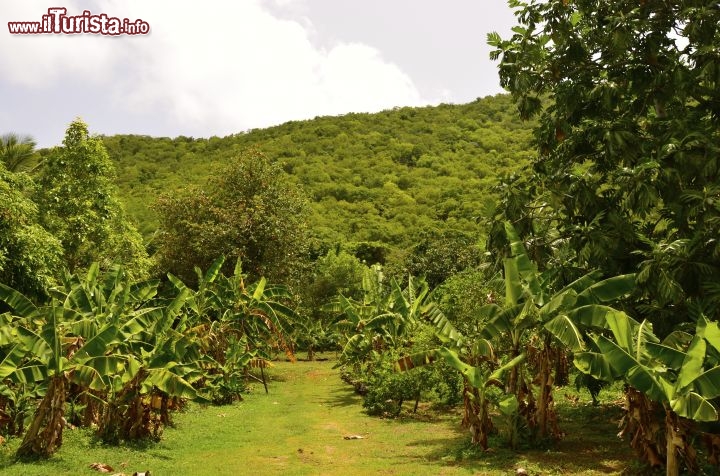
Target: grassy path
{"x": 299, "y": 429}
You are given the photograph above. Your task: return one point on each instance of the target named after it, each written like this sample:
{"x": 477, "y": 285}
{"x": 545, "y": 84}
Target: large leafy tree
{"x": 250, "y": 210}
{"x": 78, "y": 204}
{"x": 629, "y": 112}
{"x": 29, "y": 255}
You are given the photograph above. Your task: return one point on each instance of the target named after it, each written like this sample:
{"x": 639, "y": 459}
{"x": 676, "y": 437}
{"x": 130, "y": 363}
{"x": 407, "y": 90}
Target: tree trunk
{"x": 678, "y": 444}
{"x": 44, "y": 436}
{"x": 672, "y": 464}
{"x": 545, "y": 413}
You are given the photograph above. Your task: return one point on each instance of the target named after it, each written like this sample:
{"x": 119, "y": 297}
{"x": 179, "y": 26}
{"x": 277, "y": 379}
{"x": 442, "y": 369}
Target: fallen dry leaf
{"x": 101, "y": 467}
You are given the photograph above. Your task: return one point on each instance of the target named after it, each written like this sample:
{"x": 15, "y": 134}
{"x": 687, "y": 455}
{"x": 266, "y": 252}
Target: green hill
{"x": 383, "y": 177}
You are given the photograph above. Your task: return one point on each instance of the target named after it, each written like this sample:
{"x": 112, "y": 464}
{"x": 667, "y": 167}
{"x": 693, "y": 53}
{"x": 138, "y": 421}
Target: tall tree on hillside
{"x": 628, "y": 96}
{"x": 79, "y": 205}
{"x": 29, "y": 255}
{"x": 16, "y": 152}
{"x": 250, "y": 211}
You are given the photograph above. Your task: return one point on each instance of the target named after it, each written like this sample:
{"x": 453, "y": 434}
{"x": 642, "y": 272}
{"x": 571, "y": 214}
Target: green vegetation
{"x": 384, "y": 177}
{"x": 441, "y": 259}
{"x": 79, "y": 205}
{"x": 250, "y": 212}
{"x": 299, "y": 429}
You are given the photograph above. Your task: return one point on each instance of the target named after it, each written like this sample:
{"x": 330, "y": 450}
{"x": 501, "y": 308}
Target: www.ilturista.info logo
{"x": 59, "y": 23}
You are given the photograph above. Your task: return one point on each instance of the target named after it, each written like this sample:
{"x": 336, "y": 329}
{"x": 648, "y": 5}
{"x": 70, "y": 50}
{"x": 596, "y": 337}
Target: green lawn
{"x": 299, "y": 429}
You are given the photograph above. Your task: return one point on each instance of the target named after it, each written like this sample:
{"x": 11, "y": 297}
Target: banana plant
{"x": 64, "y": 357}
{"x": 56, "y": 345}
{"x": 162, "y": 365}
{"x": 682, "y": 377}
{"x": 256, "y": 312}
{"x": 547, "y": 323}
{"x": 18, "y": 381}
{"x": 380, "y": 320}
{"x": 475, "y": 359}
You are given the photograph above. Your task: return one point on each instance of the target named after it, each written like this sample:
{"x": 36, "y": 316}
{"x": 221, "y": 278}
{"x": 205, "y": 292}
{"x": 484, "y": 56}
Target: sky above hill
{"x": 221, "y": 67}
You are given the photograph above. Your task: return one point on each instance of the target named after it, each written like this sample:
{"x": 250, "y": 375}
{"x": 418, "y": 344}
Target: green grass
{"x": 298, "y": 429}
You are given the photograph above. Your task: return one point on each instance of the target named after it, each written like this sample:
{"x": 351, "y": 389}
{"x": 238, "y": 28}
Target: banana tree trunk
{"x": 477, "y": 418}
{"x": 678, "y": 435}
{"x": 672, "y": 463}
{"x": 44, "y": 436}
{"x": 545, "y": 413}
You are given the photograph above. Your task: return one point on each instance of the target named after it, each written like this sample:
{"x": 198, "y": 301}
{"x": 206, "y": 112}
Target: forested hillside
{"x": 384, "y": 177}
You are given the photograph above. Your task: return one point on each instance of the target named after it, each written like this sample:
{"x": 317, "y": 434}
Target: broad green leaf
{"x": 35, "y": 344}
{"x": 592, "y": 315}
{"x": 11, "y": 361}
{"x": 498, "y": 373}
{"x": 509, "y": 405}
{"x": 677, "y": 339}
{"x": 692, "y": 364}
{"x": 607, "y": 290}
{"x": 177, "y": 303}
{"x": 594, "y": 364}
{"x": 636, "y": 374}
{"x": 444, "y": 329}
{"x": 525, "y": 267}
{"x": 513, "y": 288}
{"x": 212, "y": 273}
{"x": 259, "y": 289}
{"x": 502, "y": 323}
{"x": 583, "y": 282}
{"x": 559, "y": 302}
{"x": 79, "y": 299}
{"x": 144, "y": 291}
{"x": 92, "y": 275}
{"x": 22, "y": 306}
{"x": 100, "y": 344}
{"x": 707, "y": 383}
{"x": 695, "y": 407}
{"x": 473, "y": 375}
{"x": 670, "y": 357}
{"x": 170, "y": 383}
{"x": 712, "y": 334}
{"x": 483, "y": 348}
{"x": 644, "y": 336}
{"x": 28, "y": 374}
{"x": 564, "y": 330}
{"x": 622, "y": 329}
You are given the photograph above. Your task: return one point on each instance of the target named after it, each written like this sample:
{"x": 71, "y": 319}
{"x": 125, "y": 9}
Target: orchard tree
{"x": 627, "y": 95}
{"x": 29, "y": 255}
{"x": 250, "y": 211}
{"x": 79, "y": 204}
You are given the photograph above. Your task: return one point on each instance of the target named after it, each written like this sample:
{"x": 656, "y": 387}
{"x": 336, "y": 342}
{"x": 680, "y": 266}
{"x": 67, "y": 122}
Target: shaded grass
{"x": 298, "y": 429}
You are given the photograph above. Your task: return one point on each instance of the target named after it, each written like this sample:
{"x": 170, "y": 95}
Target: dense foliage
{"x": 427, "y": 236}
{"x": 78, "y": 204}
{"x": 627, "y": 172}
{"x": 384, "y": 177}
{"x": 249, "y": 210}
{"x": 29, "y": 255}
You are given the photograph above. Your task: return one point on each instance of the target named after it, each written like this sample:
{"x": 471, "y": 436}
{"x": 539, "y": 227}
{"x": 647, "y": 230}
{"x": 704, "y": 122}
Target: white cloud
{"x": 208, "y": 68}
{"x": 41, "y": 60}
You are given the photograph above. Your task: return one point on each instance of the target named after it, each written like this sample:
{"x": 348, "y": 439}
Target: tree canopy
{"x": 79, "y": 205}
{"x": 249, "y": 210}
{"x": 628, "y": 104}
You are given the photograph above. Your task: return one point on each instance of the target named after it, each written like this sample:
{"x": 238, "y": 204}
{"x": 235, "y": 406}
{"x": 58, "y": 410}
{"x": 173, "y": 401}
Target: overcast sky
{"x": 220, "y": 67}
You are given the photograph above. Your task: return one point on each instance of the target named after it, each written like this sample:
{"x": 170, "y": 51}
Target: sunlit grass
{"x": 299, "y": 429}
